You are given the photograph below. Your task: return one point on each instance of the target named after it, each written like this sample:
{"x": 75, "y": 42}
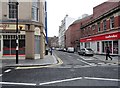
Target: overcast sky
{"x": 57, "y": 9}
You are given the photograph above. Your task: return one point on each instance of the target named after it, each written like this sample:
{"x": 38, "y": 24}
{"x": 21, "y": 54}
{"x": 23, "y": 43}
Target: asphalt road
{"x": 76, "y": 71}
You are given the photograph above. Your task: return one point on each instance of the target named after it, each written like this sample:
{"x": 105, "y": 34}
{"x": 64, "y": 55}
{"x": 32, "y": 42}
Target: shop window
{"x": 6, "y": 47}
{"x": 87, "y": 44}
{"x": 115, "y": 47}
{"x": 98, "y": 46}
{"x": 106, "y": 44}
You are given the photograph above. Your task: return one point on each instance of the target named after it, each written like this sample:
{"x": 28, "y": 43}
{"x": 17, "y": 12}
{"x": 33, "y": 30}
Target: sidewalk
{"x": 116, "y": 59}
{"x": 11, "y": 61}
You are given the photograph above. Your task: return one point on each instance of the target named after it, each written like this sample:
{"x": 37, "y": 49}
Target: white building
{"x": 65, "y": 23}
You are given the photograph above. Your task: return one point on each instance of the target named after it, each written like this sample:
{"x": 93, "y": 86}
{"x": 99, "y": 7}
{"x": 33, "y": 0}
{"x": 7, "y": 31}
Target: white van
{"x": 70, "y": 49}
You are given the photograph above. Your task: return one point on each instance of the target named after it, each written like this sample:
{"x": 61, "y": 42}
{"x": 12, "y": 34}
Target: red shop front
{"x": 99, "y": 43}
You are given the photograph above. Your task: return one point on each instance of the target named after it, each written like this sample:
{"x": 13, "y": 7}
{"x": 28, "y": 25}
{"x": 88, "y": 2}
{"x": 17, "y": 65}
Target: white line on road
{"x": 11, "y": 83}
{"x": 7, "y": 71}
{"x": 86, "y": 62}
{"x": 106, "y": 79}
{"x": 58, "y": 81}
{"x": 78, "y": 78}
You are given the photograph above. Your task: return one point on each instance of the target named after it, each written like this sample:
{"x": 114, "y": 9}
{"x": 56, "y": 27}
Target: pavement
{"x": 115, "y": 59}
{"x": 10, "y": 61}
{"x": 48, "y": 60}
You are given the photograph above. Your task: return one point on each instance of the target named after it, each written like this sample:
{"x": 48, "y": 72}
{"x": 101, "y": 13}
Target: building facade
{"x": 53, "y": 42}
{"x": 31, "y": 24}
{"x": 65, "y": 23}
{"x": 73, "y": 33}
{"x": 102, "y": 29}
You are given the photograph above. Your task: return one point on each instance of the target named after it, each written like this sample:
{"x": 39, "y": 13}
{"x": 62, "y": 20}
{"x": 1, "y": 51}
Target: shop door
{"x": 37, "y": 45}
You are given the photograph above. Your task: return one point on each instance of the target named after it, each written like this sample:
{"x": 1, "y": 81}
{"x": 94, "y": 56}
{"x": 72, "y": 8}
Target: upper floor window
{"x": 93, "y": 27}
{"x": 111, "y": 22}
{"x": 104, "y": 24}
{"x": 12, "y": 9}
{"x": 35, "y": 10}
{"x": 98, "y": 24}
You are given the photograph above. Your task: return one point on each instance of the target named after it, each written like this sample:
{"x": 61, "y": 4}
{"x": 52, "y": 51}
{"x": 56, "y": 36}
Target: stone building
{"x": 31, "y": 24}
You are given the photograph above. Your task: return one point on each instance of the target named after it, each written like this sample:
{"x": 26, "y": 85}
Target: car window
{"x": 82, "y": 49}
{"x": 89, "y": 49}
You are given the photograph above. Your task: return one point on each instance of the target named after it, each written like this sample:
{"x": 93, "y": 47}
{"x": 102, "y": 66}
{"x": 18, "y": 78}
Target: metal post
{"x": 17, "y": 43}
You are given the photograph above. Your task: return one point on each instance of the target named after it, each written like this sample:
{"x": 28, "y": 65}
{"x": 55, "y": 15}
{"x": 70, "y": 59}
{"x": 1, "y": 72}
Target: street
{"x": 76, "y": 70}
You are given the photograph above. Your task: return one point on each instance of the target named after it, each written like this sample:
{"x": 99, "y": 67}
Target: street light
{"x": 17, "y": 42}
{"x": 16, "y": 5}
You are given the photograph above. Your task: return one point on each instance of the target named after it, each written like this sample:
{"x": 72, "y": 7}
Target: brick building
{"x": 98, "y": 30}
{"x": 53, "y": 42}
{"x": 102, "y": 29}
{"x": 73, "y": 33}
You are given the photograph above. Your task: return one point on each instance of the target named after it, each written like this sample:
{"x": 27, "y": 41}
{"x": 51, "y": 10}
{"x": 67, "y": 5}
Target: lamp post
{"x": 17, "y": 42}
{"x": 16, "y": 5}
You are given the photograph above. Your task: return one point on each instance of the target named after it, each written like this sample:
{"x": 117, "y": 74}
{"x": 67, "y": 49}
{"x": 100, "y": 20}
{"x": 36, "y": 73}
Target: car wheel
{"x": 84, "y": 54}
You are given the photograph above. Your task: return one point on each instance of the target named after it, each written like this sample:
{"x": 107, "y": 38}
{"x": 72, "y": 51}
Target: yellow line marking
{"x": 52, "y": 65}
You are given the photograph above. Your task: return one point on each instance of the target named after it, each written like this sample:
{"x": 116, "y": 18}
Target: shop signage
{"x": 111, "y": 36}
{"x": 10, "y": 27}
{"x": 4, "y": 26}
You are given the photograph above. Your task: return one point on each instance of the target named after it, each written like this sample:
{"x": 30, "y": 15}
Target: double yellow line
{"x": 59, "y": 62}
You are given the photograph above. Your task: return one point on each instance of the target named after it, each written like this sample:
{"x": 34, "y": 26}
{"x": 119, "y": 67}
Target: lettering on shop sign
{"x": 3, "y": 26}
{"x": 89, "y": 39}
{"x": 111, "y": 36}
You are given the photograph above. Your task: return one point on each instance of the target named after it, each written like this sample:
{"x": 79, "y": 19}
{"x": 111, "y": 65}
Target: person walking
{"x": 108, "y": 53}
{"x": 51, "y": 51}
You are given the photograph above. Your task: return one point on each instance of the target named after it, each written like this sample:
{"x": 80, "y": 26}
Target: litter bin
{"x": 46, "y": 52}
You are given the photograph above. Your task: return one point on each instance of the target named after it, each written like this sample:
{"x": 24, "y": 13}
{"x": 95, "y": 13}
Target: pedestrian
{"x": 108, "y": 53}
{"x": 51, "y": 51}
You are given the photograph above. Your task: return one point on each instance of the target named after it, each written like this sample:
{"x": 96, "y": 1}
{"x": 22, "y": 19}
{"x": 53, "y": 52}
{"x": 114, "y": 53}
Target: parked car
{"x": 70, "y": 49}
{"x": 86, "y": 51}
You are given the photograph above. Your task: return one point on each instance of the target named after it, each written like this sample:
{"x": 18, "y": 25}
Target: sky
{"x": 57, "y": 10}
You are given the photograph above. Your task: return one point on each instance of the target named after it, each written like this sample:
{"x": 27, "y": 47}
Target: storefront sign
{"x": 111, "y": 36}
{"x": 4, "y": 26}
{"x": 10, "y": 27}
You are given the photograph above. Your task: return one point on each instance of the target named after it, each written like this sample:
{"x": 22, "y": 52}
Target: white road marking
{"x": 7, "y": 70}
{"x": 86, "y": 62}
{"x": 78, "y": 78}
{"x": 12, "y": 83}
{"x": 1, "y": 75}
{"x": 59, "y": 81}
{"x": 106, "y": 79}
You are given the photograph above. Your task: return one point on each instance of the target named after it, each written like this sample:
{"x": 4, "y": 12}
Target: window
{"x": 93, "y": 27}
{"x": 35, "y": 10}
{"x": 105, "y": 44}
{"x": 12, "y": 9}
{"x": 98, "y": 26}
{"x": 111, "y": 22}
{"x": 104, "y": 24}
{"x": 115, "y": 47}
{"x": 87, "y": 44}
{"x": 98, "y": 46}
